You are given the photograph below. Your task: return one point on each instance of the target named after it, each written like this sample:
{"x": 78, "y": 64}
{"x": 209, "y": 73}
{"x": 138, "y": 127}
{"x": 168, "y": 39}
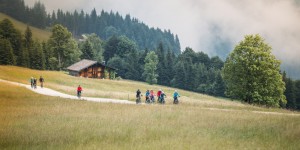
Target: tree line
{"x": 62, "y": 50}
{"x": 104, "y": 25}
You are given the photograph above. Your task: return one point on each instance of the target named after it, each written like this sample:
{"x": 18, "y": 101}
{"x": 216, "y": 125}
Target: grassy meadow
{"x": 32, "y": 121}
{"x": 37, "y": 33}
{"x": 117, "y": 89}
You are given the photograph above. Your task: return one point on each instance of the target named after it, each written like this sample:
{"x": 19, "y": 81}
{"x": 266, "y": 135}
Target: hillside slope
{"x": 122, "y": 89}
{"x": 34, "y": 121}
{"x": 39, "y": 34}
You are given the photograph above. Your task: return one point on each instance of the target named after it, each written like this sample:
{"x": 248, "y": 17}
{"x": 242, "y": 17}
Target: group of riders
{"x": 150, "y": 97}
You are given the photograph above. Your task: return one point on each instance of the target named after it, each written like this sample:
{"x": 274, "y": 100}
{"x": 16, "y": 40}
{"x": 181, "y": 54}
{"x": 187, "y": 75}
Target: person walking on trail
{"x": 41, "y": 81}
{"x": 32, "y": 82}
{"x": 158, "y": 95}
{"x": 175, "y": 96}
{"x": 147, "y": 95}
{"x": 79, "y": 90}
{"x": 138, "y": 96}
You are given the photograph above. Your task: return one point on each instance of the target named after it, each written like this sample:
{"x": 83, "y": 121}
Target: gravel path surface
{"x": 50, "y": 92}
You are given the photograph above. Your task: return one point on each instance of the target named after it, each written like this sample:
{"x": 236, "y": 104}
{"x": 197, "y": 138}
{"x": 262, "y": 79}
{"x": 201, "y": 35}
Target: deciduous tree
{"x": 150, "y": 68}
{"x": 252, "y": 74}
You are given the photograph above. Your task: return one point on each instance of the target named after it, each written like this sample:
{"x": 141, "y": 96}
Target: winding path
{"x": 50, "y": 92}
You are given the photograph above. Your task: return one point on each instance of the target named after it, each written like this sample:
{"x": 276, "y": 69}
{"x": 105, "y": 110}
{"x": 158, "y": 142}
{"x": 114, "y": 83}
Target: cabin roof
{"x": 85, "y": 63}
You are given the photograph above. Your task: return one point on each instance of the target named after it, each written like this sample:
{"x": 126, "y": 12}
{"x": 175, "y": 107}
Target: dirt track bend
{"x": 50, "y": 92}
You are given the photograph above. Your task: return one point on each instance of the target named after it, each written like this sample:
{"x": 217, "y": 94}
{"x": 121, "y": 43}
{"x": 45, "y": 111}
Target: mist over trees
{"x": 104, "y": 24}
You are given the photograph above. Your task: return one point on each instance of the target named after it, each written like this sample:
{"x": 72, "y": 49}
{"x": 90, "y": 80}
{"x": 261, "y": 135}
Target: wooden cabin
{"x": 91, "y": 69}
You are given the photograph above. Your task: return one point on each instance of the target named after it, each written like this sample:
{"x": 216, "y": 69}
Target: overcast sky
{"x": 277, "y": 21}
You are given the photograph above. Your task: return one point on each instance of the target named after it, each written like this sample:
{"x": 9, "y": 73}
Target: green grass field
{"x": 37, "y": 33}
{"x": 32, "y": 121}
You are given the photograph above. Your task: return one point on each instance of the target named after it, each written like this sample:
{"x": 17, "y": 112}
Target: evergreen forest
{"x": 104, "y": 25}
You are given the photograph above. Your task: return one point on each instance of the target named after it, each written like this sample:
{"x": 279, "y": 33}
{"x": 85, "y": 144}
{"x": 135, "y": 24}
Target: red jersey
{"x": 151, "y": 93}
{"x": 79, "y": 89}
{"x": 158, "y": 93}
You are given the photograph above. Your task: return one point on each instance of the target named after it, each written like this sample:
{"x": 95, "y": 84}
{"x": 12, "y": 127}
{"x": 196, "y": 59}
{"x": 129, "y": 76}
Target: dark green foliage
{"x": 178, "y": 80}
{"x": 120, "y": 46}
{"x": 133, "y": 69}
{"x": 104, "y": 25}
{"x": 170, "y": 61}
{"x": 37, "y": 60}
{"x": 197, "y": 72}
{"x": 24, "y": 59}
{"x": 161, "y": 66}
{"x": 8, "y": 31}
{"x": 297, "y": 93}
{"x": 97, "y": 46}
{"x": 216, "y": 62}
{"x": 6, "y": 53}
{"x": 64, "y": 47}
{"x": 47, "y": 54}
{"x": 290, "y": 92}
{"x": 87, "y": 51}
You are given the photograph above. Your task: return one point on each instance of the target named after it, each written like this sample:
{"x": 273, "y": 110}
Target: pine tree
{"x": 8, "y": 31}
{"x": 290, "y": 91}
{"x": 219, "y": 86}
{"x": 170, "y": 60}
{"x": 87, "y": 51}
{"x": 179, "y": 77}
{"x": 25, "y": 61}
{"x": 161, "y": 67}
{"x": 297, "y": 93}
{"x": 6, "y": 53}
{"x": 38, "y": 58}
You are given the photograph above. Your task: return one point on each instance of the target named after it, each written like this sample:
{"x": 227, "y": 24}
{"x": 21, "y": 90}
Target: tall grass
{"x": 122, "y": 89}
{"x": 32, "y": 121}
{"x": 37, "y": 33}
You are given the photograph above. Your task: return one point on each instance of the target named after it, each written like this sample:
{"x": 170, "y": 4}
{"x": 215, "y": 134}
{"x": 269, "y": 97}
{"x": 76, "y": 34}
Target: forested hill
{"x": 104, "y": 25}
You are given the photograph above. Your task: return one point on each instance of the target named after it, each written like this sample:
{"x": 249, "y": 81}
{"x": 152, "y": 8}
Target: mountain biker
{"x": 79, "y": 89}
{"x": 162, "y": 97}
{"x": 175, "y": 96}
{"x": 152, "y": 96}
{"x": 158, "y": 95}
{"x": 138, "y": 96}
{"x": 147, "y": 96}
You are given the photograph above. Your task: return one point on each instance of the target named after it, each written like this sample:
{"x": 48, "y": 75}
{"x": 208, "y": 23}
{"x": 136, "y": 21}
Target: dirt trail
{"x": 50, "y": 92}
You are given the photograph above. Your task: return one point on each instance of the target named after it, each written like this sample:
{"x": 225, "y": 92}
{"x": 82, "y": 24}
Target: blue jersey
{"x": 147, "y": 93}
{"x": 176, "y": 94}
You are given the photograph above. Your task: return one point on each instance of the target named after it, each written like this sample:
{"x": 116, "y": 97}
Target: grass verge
{"x": 32, "y": 121}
